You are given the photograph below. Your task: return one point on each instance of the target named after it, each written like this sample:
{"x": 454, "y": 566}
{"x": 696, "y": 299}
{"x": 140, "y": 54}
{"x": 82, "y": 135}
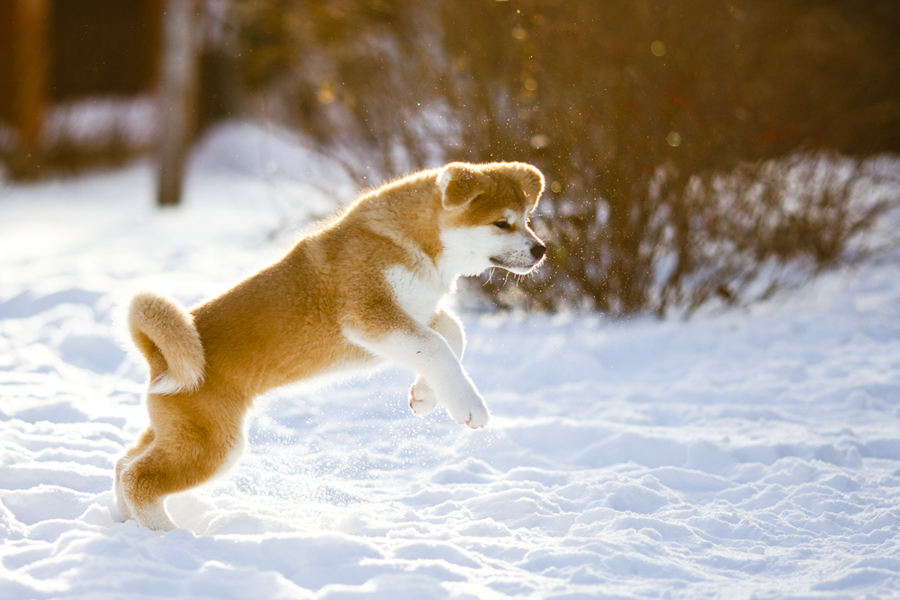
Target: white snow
{"x": 747, "y": 454}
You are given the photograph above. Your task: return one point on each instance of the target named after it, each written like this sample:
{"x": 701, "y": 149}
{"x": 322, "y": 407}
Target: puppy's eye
{"x": 502, "y": 225}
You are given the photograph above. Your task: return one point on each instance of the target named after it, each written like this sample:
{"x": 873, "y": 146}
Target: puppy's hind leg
{"x": 422, "y": 399}
{"x": 142, "y": 443}
{"x": 172, "y": 463}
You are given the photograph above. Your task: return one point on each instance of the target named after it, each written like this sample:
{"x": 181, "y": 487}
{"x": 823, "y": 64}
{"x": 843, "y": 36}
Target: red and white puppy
{"x": 363, "y": 288}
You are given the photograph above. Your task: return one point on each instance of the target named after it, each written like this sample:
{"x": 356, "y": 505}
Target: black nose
{"x": 538, "y": 251}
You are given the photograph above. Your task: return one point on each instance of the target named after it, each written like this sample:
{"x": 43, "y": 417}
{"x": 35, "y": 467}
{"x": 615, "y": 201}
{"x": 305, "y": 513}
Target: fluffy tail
{"x": 165, "y": 334}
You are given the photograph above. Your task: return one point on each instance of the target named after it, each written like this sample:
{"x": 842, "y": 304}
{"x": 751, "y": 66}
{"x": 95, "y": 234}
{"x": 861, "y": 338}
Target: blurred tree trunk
{"x": 177, "y": 95}
{"x": 32, "y": 66}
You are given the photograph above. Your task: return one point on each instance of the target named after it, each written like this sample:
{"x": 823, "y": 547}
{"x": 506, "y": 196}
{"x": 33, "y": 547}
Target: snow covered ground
{"x": 750, "y": 454}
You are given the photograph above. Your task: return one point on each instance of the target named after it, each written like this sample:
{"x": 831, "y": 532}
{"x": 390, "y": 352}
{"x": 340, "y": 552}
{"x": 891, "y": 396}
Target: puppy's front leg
{"x": 422, "y": 398}
{"x": 421, "y": 349}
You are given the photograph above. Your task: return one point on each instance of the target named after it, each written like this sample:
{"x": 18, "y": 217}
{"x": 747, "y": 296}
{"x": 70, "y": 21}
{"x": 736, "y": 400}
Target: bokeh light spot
{"x": 326, "y": 94}
{"x": 539, "y": 141}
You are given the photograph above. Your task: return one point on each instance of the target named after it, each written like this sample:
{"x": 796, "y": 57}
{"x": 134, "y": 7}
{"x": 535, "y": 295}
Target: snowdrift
{"x": 744, "y": 454}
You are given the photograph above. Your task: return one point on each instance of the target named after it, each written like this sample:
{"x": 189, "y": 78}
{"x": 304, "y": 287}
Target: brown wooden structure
{"x": 57, "y": 50}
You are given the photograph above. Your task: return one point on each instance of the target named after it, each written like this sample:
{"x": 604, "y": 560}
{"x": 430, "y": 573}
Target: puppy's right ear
{"x": 460, "y": 184}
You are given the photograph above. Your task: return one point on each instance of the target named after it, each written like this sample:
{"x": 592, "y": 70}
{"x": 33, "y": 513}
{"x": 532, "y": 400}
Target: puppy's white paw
{"x": 479, "y": 417}
{"x": 154, "y": 516}
{"x": 422, "y": 399}
{"x": 472, "y": 412}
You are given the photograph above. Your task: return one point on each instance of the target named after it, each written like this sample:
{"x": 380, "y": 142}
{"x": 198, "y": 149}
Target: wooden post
{"x": 32, "y": 62}
{"x": 177, "y": 95}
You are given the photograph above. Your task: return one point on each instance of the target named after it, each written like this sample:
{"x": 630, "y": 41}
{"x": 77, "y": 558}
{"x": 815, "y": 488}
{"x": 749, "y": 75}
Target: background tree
{"x": 177, "y": 95}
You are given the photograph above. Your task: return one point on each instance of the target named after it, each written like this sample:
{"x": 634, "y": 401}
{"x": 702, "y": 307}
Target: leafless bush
{"x": 732, "y": 237}
{"x": 658, "y": 126}
{"x": 773, "y": 224}
{"x": 353, "y": 75}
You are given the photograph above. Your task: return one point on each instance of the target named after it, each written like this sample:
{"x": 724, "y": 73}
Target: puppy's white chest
{"x": 418, "y": 294}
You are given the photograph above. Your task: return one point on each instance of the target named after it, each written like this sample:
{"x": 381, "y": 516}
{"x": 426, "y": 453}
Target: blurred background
{"x": 697, "y": 152}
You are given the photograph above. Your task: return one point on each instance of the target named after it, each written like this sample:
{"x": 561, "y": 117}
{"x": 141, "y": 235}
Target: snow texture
{"x": 746, "y": 454}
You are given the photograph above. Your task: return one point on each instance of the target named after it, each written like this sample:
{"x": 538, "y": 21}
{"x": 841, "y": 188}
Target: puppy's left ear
{"x": 527, "y": 176}
{"x": 460, "y": 184}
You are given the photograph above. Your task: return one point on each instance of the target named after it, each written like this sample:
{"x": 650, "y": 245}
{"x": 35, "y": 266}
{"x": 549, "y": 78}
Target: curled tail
{"x": 165, "y": 334}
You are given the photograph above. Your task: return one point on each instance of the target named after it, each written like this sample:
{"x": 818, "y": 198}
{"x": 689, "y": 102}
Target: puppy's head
{"x": 485, "y": 220}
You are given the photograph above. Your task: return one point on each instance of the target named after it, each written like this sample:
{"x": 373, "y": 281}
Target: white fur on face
{"x": 472, "y": 250}
{"x": 467, "y": 250}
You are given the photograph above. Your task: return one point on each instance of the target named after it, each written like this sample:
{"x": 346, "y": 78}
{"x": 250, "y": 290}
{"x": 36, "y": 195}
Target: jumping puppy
{"x": 363, "y": 288}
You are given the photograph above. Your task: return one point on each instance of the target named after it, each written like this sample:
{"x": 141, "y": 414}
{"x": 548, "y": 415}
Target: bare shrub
{"x": 353, "y": 75}
{"x": 658, "y": 125}
{"x": 774, "y": 224}
{"x": 732, "y": 237}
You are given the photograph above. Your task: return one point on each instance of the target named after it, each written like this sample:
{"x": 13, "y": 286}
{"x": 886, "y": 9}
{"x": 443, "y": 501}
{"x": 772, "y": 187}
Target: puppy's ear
{"x": 460, "y": 184}
{"x": 527, "y": 176}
